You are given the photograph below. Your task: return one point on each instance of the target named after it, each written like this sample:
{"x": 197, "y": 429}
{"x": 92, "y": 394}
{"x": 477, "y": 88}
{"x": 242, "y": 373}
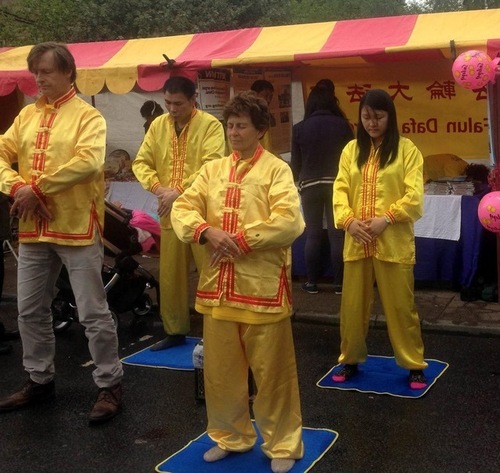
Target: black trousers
{"x": 317, "y": 205}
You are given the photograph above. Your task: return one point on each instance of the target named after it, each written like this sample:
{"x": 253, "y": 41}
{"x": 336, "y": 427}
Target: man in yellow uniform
{"x": 175, "y": 147}
{"x": 58, "y": 195}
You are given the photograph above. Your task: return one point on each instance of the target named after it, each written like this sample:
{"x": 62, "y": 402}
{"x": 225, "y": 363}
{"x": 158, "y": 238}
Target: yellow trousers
{"x": 230, "y": 348}
{"x": 395, "y": 285}
{"x": 175, "y": 262}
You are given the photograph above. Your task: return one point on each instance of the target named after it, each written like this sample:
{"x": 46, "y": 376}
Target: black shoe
{"x": 168, "y": 342}
{"x": 30, "y": 393}
{"x": 310, "y": 287}
{"x": 417, "y": 379}
{"x": 5, "y": 348}
{"x": 346, "y": 373}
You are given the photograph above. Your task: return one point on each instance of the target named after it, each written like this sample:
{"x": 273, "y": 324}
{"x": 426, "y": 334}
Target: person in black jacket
{"x": 317, "y": 143}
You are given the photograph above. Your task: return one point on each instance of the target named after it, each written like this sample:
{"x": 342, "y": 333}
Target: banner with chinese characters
{"x": 214, "y": 90}
{"x": 280, "y": 106}
{"x": 437, "y": 114}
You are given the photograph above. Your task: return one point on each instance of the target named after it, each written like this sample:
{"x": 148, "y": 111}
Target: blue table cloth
{"x": 455, "y": 262}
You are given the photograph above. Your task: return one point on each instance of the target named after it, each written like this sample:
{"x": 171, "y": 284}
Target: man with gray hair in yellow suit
{"x": 59, "y": 144}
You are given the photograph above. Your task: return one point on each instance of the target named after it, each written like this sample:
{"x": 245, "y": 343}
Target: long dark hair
{"x": 321, "y": 99}
{"x": 328, "y": 86}
{"x": 378, "y": 99}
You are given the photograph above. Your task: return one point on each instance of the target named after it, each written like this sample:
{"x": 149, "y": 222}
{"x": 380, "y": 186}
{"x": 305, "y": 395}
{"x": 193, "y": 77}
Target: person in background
{"x": 149, "y": 111}
{"x": 245, "y": 209}
{"x": 265, "y": 90}
{"x": 329, "y": 87}
{"x": 175, "y": 147}
{"x": 59, "y": 144}
{"x": 378, "y": 195}
{"x": 317, "y": 143}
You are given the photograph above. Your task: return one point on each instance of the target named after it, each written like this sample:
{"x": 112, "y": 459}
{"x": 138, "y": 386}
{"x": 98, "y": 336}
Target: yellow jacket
{"x": 170, "y": 161}
{"x": 257, "y": 200}
{"x": 60, "y": 151}
{"x": 396, "y": 191}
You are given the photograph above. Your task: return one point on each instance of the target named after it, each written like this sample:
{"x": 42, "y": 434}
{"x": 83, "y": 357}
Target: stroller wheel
{"x": 62, "y": 315}
{"x": 143, "y": 305}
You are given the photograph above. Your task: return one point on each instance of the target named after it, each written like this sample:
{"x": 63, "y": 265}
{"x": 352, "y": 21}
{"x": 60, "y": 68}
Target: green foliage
{"x": 480, "y": 4}
{"x": 457, "y": 5}
{"x": 309, "y": 11}
{"x": 94, "y": 20}
{"x": 31, "y": 21}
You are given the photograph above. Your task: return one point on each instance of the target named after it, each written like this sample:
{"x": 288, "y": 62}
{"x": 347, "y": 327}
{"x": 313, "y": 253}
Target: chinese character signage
{"x": 432, "y": 109}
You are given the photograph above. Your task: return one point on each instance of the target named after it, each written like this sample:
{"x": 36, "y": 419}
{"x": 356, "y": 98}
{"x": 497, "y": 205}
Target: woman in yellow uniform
{"x": 378, "y": 195}
{"x": 245, "y": 208}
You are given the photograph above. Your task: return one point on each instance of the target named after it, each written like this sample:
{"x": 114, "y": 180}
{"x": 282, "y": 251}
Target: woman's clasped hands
{"x": 365, "y": 231}
{"x": 222, "y": 245}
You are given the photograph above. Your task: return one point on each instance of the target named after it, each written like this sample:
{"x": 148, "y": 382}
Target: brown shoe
{"x": 107, "y": 404}
{"x": 30, "y": 393}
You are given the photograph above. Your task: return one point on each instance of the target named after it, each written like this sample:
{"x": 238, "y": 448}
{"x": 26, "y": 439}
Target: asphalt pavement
{"x": 452, "y": 429}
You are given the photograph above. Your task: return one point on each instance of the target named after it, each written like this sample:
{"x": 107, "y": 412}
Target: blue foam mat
{"x": 175, "y": 358}
{"x": 190, "y": 458}
{"x": 381, "y": 375}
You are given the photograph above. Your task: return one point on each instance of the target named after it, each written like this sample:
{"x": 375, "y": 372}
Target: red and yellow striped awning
{"x": 120, "y": 65}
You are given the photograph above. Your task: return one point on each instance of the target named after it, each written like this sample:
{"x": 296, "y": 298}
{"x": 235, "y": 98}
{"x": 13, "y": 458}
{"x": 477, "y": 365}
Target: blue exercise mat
{"x": 381, "y": 375}
{"x": 175, "y": 358}
{"x": 190, "y": 458}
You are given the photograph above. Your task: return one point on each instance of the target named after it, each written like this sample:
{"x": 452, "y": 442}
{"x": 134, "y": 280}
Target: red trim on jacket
{"x": 154, "y": 187}
{"x": 227, "y": 269}
{"x": 38, "y": 192}
{"x": 16, "y": 187}
{"x": 199, "y": 231}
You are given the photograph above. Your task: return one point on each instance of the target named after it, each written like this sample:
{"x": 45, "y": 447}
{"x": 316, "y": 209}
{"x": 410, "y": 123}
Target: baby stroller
{"x": 125, "y": 281}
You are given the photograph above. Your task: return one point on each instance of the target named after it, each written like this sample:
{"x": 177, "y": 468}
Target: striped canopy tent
{"x": 120, "y": 65}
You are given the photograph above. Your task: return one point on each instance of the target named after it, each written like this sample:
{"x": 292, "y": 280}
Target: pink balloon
{"x": 489, "y": 211}
{"x": 473, "y": 69}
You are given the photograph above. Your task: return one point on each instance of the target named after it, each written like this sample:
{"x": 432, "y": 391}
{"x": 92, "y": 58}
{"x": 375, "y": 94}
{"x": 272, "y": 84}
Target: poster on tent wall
{"x": 281, "y": 116}
{"x": 214, "y": 86}
{"x": 281, "y": 104}
{"x": 244, "y": 78}
{"x": 437, "y": 114}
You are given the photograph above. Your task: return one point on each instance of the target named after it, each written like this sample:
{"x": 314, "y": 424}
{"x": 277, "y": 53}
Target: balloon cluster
{"x": 474, "y": 69}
